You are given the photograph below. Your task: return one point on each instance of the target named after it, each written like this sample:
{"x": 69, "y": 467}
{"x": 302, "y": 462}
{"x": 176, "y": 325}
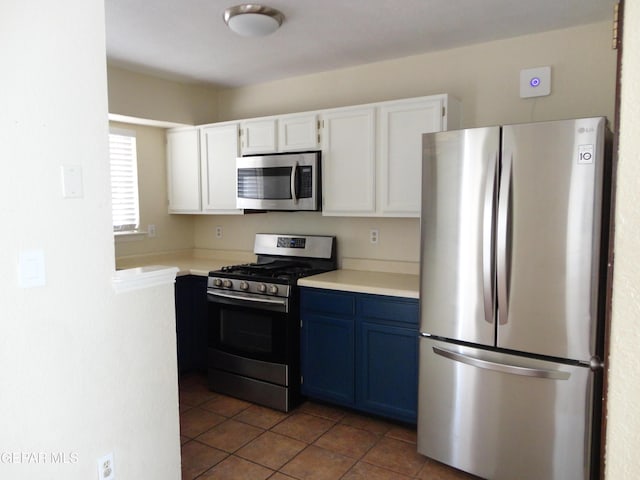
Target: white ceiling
{"x": 187, "y": 40}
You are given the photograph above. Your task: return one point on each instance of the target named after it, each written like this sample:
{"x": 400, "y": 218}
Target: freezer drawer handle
{"x": 501, "y": 367}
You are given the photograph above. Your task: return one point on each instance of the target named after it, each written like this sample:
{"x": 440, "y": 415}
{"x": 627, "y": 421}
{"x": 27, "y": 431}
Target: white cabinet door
{"x": 220, "y": 147}
{"x": 400, "y": 156}
{"x": 183, "y": 171}
{"x": 348, "y": 161}
{"x": 259, "y": 136}
{"x": 298, "y": 133}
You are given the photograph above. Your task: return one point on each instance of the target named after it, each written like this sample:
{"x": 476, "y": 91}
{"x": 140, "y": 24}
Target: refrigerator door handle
{"x": 504, "y": 206}
{"x": 488, "y": 283}
{"x": 501, "y": 367}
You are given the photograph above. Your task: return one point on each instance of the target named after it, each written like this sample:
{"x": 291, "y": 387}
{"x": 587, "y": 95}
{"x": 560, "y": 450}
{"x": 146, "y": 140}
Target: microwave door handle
{"x": 294, "y": 174}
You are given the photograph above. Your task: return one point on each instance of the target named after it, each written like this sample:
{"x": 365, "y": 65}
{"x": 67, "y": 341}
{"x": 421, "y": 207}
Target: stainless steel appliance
{"x": 253, "y": 319}
{"x": 285, "y": 181}
{"x": 513, "y": 226}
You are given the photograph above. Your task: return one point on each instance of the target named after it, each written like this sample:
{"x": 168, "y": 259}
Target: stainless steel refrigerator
{"x": 511, "y": 298}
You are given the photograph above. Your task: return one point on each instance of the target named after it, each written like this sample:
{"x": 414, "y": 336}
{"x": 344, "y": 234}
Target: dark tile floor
{"x": 226, "y": 438}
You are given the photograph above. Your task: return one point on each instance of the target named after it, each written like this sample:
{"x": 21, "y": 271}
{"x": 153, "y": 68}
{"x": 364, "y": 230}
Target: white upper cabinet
{"x": 348, "y": 161}
{"x": 286, "y": 133}
{"x": 371, "y": 155}
{"x": 259, "y": 136}
{"x": 183, "y": 171}
{"x": 219, "y": 149}
{"x": 298, "y": 133}
{"x": 401, "y": 125}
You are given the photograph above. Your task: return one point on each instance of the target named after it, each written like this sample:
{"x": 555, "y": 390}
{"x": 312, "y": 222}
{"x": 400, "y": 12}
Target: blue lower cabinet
{"x": 328, "y": 359}
{"x": 361, "y": 351}
{"x": 191, "y": 322}
{"x": 387, "y": 371}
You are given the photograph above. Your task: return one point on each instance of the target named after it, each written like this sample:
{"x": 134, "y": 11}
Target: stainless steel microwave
{"x": 282, "y": 181}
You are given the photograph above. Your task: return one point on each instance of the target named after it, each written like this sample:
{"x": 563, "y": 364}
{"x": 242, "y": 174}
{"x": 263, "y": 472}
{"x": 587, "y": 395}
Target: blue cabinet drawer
{"x": 389, "y": 308}
{"x": 324, "y": 301}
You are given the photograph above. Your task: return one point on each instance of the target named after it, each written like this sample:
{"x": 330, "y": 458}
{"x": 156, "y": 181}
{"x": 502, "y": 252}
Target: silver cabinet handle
{"x": 488, "y": 282}
{"x": 501, "y": 367}
{"x": 504, "y": 205}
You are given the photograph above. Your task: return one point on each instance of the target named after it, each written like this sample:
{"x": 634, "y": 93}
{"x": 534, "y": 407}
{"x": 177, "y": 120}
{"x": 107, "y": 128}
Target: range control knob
{"x": 262, "y": 288}
{"x": 244, "y": 285}
{"x": 217, "y": 282}
{"x": 273, "y": 289}
{"x": 227, "y": 283}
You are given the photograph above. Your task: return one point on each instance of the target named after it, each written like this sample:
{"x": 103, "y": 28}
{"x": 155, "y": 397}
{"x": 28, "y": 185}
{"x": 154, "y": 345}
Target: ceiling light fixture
{"x": 253, "y": 20}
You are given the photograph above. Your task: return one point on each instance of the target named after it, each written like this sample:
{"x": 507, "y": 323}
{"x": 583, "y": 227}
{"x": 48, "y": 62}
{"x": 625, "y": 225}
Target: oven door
{"x": 249, "y": 326}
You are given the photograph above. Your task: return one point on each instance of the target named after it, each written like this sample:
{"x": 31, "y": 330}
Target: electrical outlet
{"x": 374, "y": 235}
{"x": 106, "y": 468}
{"x": 151, "y": 231}
{"x": 218, "y": 231}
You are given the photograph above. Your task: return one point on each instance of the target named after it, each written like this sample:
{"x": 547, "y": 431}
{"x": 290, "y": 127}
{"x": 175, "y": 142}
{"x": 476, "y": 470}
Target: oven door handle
{"x": 267, "y": 300}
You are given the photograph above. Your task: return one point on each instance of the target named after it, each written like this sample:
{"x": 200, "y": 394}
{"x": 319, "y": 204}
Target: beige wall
{"x": 173, "y": 232}
{"x": 399, "y": 238}
{"x": 484, "y": 77}
{"x": 623, "y": 438}
{"x": 137, "y": 95}
{"x": 84, "y": 371}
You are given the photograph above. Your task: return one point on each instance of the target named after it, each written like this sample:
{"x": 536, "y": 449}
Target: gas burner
{"x": 282, "y": 260}
{"x": 273, "y": 269}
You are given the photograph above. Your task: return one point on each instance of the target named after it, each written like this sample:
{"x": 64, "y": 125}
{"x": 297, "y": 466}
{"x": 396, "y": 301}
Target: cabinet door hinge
{"x": 615, "y": 40}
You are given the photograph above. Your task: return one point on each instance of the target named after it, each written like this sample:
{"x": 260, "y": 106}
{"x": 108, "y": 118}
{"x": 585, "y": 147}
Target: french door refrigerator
{"x": 511, "y": 298}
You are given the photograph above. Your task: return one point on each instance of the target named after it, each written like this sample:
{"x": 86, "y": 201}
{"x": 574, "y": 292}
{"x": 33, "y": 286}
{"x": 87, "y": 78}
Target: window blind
{"x": 124, "y": 180}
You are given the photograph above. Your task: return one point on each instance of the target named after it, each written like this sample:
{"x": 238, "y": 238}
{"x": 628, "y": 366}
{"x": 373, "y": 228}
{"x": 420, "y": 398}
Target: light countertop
{"x": 361, "y": 281}
{"x": 402, "y": 283}
{"x": 192, "y": 262}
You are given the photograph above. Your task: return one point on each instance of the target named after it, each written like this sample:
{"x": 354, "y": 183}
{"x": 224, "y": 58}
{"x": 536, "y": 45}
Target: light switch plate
{"x": 72, "y": 181}
{"x": 535, "y": 82}
{"x": 31, "y": 269}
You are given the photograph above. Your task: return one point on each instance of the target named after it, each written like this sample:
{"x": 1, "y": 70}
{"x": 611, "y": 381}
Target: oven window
{"x": 249, "y": 332}
{"x": 273, "y": 183}
{"x": 244, "y": 331}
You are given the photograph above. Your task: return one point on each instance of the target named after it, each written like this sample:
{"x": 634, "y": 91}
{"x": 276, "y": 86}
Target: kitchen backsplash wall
{"x": 398, "y": 237}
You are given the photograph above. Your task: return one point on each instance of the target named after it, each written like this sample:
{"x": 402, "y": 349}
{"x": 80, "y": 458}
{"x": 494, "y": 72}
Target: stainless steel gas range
{"x": 253, "y": 319}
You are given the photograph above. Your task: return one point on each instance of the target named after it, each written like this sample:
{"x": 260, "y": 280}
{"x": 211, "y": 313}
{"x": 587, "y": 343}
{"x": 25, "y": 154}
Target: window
{"x": 124, "y": 180}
